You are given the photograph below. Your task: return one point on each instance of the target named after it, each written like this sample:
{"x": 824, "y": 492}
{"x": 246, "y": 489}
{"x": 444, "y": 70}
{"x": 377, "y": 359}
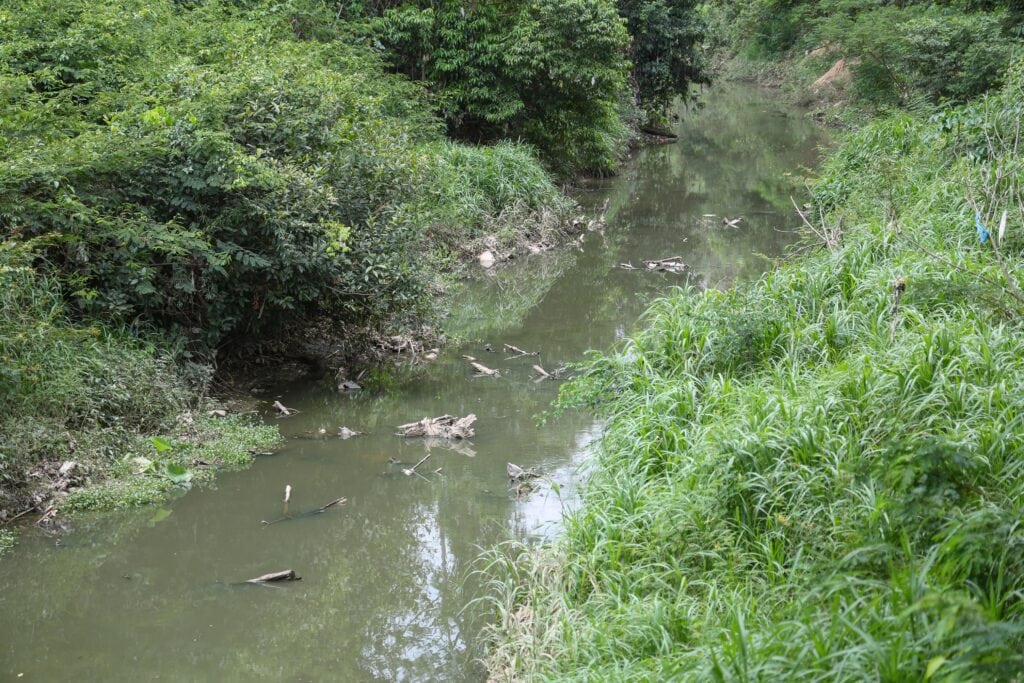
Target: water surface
{"x": 148, "y": 594}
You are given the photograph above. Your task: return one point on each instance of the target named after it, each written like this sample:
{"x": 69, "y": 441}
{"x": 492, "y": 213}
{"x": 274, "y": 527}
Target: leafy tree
{"x": 666, "y": 51}
{"x": 550, "y": 71}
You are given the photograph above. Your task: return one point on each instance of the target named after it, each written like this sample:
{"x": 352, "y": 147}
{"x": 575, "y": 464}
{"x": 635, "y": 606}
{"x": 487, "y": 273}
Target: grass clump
{"x": 818, "y": 476}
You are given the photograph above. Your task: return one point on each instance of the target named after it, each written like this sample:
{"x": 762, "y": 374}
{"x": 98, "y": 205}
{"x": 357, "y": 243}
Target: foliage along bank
{"x": 817, "y": 476}
{"x": 186, "y": 180}
{"x": 894, "y": 53}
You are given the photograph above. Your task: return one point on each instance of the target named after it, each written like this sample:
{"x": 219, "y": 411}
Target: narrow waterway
{"x": 148, "y": 594}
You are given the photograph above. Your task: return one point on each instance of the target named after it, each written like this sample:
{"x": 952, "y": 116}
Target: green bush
{"x": 222, "y": 174}
{"x": 941, "y": 53}
{"x": 550, "y": 72}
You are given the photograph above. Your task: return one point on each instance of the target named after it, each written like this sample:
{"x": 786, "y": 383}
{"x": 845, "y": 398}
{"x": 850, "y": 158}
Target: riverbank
{"x": 818, "y": 475}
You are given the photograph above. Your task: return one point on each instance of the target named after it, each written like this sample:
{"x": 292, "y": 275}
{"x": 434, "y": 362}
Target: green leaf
{"x": 179, "y": 474}
{"x": 161, "y": 444}
{"x": 933, "y": 666}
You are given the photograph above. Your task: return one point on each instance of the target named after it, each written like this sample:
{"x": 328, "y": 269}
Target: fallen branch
{"x": 337, "y": 502}
{"x": 518, "y": 351}
{"x": 672, "y": 264}
{"x": 282, "y": 410}
{"x": 830, "y": 236}
{"x": 732, "y": 222}
{"x": 483, "y": 370}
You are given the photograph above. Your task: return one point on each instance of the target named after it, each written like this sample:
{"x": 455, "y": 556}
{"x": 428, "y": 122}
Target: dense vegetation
{"x": 189, "y": 179}
{"x": 817, "y": 476}
{"x": 901, "y": 51}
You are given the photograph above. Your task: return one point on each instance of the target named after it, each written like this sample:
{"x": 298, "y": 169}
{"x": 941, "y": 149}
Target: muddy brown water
{"x": 147, "y": 594}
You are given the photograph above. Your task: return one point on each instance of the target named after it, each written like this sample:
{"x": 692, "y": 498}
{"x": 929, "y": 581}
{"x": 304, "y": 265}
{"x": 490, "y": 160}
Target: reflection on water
{"x": 148, "y": 594}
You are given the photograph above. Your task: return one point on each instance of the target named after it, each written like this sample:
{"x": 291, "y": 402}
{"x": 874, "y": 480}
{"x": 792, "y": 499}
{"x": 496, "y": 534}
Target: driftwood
{"x": 732, "y": 222}
{"x": 484, "y": 371}
{"x": 282, "y": 410}
{"x": 672, "y": 264}
{"x": 543, "y": 374}
{"x": 274, "y": 577}
{"x": 628, "y": 266}
{"x": 519, "y": 353}
{"x": 445, "y": 427}
{"x": 346, "y": 433}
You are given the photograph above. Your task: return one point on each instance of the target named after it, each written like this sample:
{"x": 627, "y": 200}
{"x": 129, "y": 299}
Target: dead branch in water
{"x": 519, "y": 353}
{"x": 445, "y": 427}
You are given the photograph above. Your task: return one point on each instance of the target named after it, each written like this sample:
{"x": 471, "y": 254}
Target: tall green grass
{"x": 818, "y": 476}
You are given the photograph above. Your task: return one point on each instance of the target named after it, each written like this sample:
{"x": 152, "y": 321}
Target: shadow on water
{"x": 146, "y": 594}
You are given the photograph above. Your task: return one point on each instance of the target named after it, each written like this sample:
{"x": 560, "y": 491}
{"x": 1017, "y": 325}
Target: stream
{"x": 147, "y": 594}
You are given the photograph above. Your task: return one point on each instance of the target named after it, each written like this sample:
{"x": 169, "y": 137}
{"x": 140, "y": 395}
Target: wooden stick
{"x": 286, "y": 575}
{"x": 339, "y": 501}
{"x": 287, "y": 497}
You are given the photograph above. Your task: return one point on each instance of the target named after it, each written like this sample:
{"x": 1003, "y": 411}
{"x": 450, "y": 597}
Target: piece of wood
{"x": 337, "y": 502}
{"x": 282, "y": 410}
{"x": 519, "y": 353}
{"x": 672, "y": 264}
{"x": 273, "y": 577}
{"x": 483, "y": 370}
